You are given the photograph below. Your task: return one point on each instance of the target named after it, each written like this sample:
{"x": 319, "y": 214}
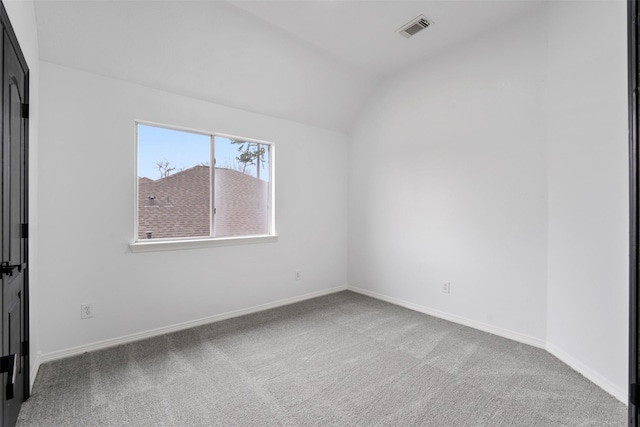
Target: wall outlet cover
{"x": 86, "y": 311}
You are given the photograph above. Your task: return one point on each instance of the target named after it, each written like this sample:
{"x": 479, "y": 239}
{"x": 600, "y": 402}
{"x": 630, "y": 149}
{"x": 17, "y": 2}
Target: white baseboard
{"x": 505, "y": 333}
{"x": 564, "y": 357}
{"x": 99, "y": 345}
{"x": 588, "y": 373}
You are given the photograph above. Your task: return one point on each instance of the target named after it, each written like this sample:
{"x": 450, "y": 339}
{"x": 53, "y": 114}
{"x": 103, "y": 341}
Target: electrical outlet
{"x": 296, "y": 274}
{"x": 86, "y": 311}
{"x": 446, "y": 287}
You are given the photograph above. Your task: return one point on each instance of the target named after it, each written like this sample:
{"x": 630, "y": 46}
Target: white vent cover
{"x": 414, "y": 26}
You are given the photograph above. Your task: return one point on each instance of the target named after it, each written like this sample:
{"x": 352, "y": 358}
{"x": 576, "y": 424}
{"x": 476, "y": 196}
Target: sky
{"x": 182, "y": 150}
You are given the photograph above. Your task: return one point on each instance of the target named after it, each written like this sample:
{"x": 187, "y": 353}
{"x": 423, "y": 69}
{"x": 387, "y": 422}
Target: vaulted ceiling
{"x": 362, "y": 32}
{"x": 311, "y": 61}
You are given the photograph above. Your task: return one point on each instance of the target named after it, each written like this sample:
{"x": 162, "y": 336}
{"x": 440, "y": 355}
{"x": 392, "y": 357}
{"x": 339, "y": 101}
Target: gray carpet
{"x": 339, "y": 360}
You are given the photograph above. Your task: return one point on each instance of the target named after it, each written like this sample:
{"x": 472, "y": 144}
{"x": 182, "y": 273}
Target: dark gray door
{"x": 634, "y": 212}
{"x": 13, "y": 359}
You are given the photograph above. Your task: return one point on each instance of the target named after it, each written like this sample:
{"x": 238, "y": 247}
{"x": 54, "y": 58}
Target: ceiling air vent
{"x": 414, "y": 26}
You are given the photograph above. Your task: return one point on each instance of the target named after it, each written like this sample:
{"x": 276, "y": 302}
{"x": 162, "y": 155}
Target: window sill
{"x": 172, "y": 245}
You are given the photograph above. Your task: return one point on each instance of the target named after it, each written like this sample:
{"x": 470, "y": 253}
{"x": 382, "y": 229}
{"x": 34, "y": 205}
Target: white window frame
{"x": 177, "y": 243}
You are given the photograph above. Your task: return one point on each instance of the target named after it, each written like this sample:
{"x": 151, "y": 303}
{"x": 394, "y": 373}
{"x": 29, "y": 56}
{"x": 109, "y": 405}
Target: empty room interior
{"x": 469, "y": 174}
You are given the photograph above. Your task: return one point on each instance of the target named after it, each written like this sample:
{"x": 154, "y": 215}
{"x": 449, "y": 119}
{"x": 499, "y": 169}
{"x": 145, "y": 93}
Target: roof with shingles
{"x": 178, "y": 205}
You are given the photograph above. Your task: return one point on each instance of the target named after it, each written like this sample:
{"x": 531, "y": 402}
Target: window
{"x": 195, "y": 185}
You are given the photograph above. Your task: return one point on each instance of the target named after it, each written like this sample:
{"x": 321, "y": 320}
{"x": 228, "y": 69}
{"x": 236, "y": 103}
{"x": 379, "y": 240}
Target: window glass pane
{"x": 242, "y": 176}
{"x": 174, "y": 183}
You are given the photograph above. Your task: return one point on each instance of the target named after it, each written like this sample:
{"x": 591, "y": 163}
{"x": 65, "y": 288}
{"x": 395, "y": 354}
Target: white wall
{"x": 588, "y": 189}
{"x": 448, "y": 184}
{"x": 87, "y": 196}
{"x": 207, "y": 50}
{"x": 22, "y": 16}
{"x": 501, "y": 167}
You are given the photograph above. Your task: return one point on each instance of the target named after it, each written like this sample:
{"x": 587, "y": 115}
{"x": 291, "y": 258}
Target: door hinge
{"x": 24, "y": 111}
{"x": 633, "y": 394}
{"x": 214, "y": 211}
{"x": 25, "y": 231}
{"x": 25, "y": 348}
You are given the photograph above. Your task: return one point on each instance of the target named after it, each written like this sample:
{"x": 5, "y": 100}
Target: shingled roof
{"x": 178, "y": 205}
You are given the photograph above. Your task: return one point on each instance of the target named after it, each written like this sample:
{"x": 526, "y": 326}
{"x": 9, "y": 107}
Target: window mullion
{"x": 212, "y": 173}
{"x": 271, "y": 196}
